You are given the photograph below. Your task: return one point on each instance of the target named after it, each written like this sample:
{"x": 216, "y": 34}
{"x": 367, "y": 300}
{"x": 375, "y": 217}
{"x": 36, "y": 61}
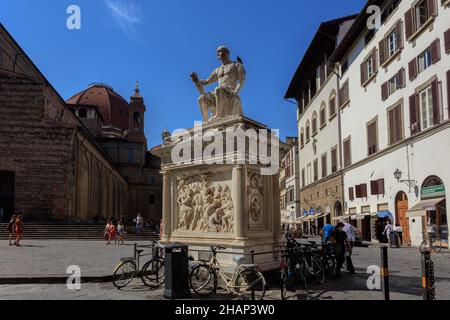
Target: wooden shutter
{"x": 384, "y": 91}
{"x": 381, "y": 186}
{"x": 398, "y": 128}
{"x": 412, "y": 66}
{"x": 363, "y": 190}
{"x": 401, "y": 76}
{"x": 432, "y": 10}
{"x": 409, "y": 25}
{"x": 447, "y": 41}
{"x": 414, "y": 114}
{"x": 358, "y": 191}
{"x": 374, "y": 188}
{"x": 363, "y": 74}
{"x": 391, "y": 127}
{"x": 436, "y": 107}
{"x": 351, "y": 195}
{"x": 372, "y": 138}
{"x": 448, "y": 93}
{"x": 334, "y": 160}
{"x": 399, "y": 33}
{"x": 347, "y": 153}
{"x": 382, "y": 50}
{"x": 435, "y": 49}
{"x": 324, "y": 166}
{"x": 374, "y": 61}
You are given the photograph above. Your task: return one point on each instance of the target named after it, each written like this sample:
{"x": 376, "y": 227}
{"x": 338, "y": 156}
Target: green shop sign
{"x": 433, "y": 191}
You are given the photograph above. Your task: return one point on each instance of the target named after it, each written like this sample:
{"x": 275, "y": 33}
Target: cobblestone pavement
{"x": 97, "y": 258}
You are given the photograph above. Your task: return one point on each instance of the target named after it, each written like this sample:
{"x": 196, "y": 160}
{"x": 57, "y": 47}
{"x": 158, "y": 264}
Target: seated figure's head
{"x": 223, "y": 53}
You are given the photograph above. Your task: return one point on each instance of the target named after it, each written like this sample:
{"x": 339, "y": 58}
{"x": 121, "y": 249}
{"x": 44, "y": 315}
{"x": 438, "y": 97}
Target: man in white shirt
{"x": 399, "y": 230}
{"x": 348, "y": 228}
{"x": 389, "y": 233}
{"x": 138, "y": 223}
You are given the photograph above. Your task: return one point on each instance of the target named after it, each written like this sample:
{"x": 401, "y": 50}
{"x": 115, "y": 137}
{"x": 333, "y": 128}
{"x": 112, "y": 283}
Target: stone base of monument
{"x": 232, "y": 204}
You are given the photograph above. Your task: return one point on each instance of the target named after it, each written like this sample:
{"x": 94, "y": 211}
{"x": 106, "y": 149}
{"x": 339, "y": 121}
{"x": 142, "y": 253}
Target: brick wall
{"x": 38, "y": 150}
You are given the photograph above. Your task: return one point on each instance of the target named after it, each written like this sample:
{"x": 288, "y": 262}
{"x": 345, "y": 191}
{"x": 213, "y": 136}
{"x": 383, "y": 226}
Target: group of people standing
{"x": 339, "y": 240}
{"x": 114, "y": 231}
{"x": 15, "y": 229}
{"x": 394, "y": 234}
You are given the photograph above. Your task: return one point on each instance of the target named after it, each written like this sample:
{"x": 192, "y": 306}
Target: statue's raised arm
{"x": 224, "y": 100}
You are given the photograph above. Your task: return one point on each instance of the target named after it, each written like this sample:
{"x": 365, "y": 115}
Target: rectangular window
{"x": 130, "y": 156}
{"x": 372, "y": 143}
{"x": 424, "y": 60}
{"x": 332, "y": 106}
{"x": 395, "y": 124}
{"x": 369, "y": 68}
{"x": 316, "y": 170}
{"x": 347, "y": 153}
{"x": 344, "y": 94}
{"x": 309, "y": 174}
{"x": 426, "y": 107}
{"x": 333, "y": 160}
{"x": 303, "y": 178}
{"x": 422, "y": 14}
{"x": 392, "y": 43}
{"x": 324, "y": 166}
{"x": 351, "y": 194}
{"x": 394, "y": 83}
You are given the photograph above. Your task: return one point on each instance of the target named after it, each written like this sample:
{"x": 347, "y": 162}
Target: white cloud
{"x": 127, "y": 15}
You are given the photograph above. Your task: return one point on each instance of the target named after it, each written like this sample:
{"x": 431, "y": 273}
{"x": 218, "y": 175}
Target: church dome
{"x": 112, "y": 107}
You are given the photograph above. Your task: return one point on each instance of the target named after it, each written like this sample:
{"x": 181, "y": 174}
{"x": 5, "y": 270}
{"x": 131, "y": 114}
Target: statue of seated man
{"x": 224, "y": 100}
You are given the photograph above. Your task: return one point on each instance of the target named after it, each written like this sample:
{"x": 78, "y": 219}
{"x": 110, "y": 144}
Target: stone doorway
{"x": 401, "y": 210}
{"x": 7, "y": 183}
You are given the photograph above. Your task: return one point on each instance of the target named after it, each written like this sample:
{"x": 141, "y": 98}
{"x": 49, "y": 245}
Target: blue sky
{"x": 160, "y": 42}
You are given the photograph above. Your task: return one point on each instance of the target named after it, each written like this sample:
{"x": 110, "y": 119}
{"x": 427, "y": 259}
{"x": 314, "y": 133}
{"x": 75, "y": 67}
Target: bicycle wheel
{"x": 250, "y": 285}
{"x": 153, "y": 273}
{"x": 286, "y": 283}
{"x": 319, "y": 272}
{"x": 124, "y": 274}
{"x": 202, "y": 280}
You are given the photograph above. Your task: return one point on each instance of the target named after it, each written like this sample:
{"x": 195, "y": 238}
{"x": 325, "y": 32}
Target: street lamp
{"x": 410, "y": 183}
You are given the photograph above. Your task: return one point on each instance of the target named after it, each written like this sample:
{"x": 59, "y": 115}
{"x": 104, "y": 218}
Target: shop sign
{"x": 433, "y": 192}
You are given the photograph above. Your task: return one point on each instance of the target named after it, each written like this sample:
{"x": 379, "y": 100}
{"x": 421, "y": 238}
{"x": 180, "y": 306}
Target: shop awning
{"x": 420, "y": 209}
{"x": 384, "y": 214}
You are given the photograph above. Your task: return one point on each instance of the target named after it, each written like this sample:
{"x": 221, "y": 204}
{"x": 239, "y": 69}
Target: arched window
{"x": 314, "y": 123}
{"x": 307, "y": 132}
{"x": 302, "y": 137}
{"x": 137, "y": 119}
{"x": 332, "y": 107}
{"x": 82, "y": 113}
{"x": 323, "y": 112}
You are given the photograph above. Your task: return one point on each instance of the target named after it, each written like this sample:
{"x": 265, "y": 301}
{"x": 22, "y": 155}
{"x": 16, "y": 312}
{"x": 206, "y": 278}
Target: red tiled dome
{"x": 112, "y": 107}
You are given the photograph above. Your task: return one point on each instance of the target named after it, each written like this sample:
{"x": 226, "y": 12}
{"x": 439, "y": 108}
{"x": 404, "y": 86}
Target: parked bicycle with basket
{"x": 246, "y": 282}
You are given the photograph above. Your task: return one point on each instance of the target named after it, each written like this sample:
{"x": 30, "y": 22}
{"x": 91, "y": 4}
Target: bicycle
{"x": 246, "y": 282}
{"x": 432, "y": 244}
{"x": 152, "y": 274}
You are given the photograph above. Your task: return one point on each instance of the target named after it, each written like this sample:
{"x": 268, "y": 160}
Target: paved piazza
{"x": 50, "y": 259}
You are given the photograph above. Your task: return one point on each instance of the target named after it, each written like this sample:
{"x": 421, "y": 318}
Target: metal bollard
{"x": 428, "y": 289}
{"x": 385, "y": 272}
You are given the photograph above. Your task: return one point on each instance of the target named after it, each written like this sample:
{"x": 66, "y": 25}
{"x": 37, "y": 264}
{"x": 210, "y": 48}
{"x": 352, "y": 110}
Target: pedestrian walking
{"x": 399, "y": 230}
{"x": 106, "y": 230}
{"x": 112, "y": 233}
{"x": 390, "y": 234}
{"x": 11, "y": 228}
{"x": 350, "y": 231}
{"x": 18, "y": 230}
{"x": 342, "y": 249}
{"x": 327, "y": 233}
{"x": 139, "y": 221}
{"x": 120, "y": 235}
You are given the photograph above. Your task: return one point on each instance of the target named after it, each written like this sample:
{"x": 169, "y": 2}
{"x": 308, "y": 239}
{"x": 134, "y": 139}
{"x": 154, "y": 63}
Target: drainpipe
{"x": 338, "y": 103}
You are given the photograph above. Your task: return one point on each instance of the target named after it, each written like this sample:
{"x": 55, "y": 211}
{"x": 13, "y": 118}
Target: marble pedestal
{"x": 232, "y": 205}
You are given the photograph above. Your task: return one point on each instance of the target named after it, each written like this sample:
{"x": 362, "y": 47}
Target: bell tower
{"x": 136, "y": 117}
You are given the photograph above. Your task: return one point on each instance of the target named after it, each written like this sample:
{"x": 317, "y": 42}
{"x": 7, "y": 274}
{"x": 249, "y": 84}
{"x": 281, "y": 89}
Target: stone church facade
{"x": 82, "y": 160}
